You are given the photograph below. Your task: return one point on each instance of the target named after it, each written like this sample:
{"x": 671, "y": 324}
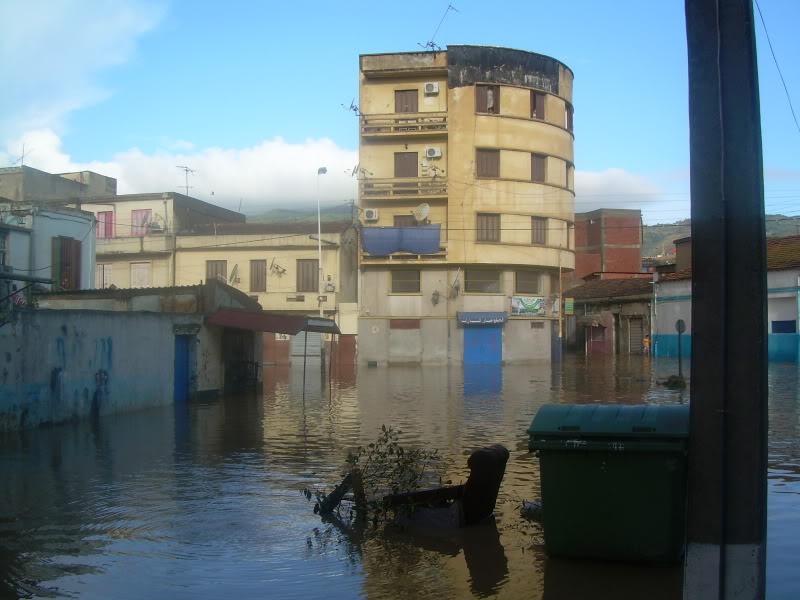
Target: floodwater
{"x": 207, "y": 502}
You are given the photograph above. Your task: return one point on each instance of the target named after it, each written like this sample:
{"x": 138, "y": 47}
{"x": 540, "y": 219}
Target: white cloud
{"x": 52, "y": 52}
{"x": 271, "y": 173}
{"x": 618, "y": 188}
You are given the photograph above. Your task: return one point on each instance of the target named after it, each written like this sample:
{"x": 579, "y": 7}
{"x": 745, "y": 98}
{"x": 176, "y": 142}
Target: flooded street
{"x": 208, "y": 503}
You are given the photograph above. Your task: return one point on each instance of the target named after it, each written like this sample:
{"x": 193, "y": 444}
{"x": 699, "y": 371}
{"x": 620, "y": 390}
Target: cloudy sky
{"x": 251, "y": 94}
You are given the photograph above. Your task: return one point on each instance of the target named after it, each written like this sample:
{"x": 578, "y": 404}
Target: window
{"x": 140, "y": 220}
{"x": 3, "y": 247}
{"x": 488, "y": 163}
{"x": 784, "y": 327}
{"x": 538, "y": 231}
{"x": 102, "y": 276}
{"x": 538, "y": 164}
{"x": 405, "y": 164}
{"x": 141, "y": 275}
{"x": 488, "y": 228}
{"x": 569, "y": 116}
{"x": 258, "y": 275}
{"x": 482, "y": 281}
{"x": 487, "y": 99}
{"x": 307, "y": 275}
{"x": 105, "y": 224}
{"x": 566, "y": 177}
{"x": 528, "y": 282}
{"x": 537, "y": 105}
{"x": 406, "y": 101}
{"x": 65, "y": 261}
{"x": 216, "y": 268}
{"x": 404, "y": 221}
{"x": 405, "y": 281}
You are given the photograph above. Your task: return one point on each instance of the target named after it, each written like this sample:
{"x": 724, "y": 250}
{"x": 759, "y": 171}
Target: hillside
{"x": 659, "y": 239}
{"x": 287, "y": 215}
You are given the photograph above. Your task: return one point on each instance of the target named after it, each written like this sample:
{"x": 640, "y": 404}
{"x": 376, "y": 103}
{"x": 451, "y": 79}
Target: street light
{"x": 320, "y": 171}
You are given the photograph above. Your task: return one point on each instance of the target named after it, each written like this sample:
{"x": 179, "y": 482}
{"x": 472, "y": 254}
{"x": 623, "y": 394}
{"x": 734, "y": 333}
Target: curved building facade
{"x": 466, "y": 197}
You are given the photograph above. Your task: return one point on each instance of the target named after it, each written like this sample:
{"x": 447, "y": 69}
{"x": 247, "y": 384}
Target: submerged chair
{"x": 458, "y": 505}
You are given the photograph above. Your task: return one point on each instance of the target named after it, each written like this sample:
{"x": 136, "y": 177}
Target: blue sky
{"x": 250, "y": 93}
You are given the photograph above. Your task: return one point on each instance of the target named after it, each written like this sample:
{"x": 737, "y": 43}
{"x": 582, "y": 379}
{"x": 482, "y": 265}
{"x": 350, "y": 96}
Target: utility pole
{"x": 186, "y": 171}
{"x": 726, "y": 521}
{"x": 320, "y": 171}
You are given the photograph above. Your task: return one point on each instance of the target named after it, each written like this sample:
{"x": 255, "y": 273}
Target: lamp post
{"x": 320, "y": 171}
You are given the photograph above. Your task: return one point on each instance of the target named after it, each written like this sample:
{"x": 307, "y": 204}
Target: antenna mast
{"x": 186, "y": 171}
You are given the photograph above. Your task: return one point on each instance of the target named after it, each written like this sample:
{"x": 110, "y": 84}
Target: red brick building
{"x": 608, "y": 245}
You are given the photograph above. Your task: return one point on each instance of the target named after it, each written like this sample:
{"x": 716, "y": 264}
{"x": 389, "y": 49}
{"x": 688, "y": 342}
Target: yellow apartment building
{"x": 466, "y": 195}
{"x": 136, "y": 236}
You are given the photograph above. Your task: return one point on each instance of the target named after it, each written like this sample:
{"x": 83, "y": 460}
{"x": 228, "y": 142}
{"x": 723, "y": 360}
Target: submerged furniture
{"x": 459, "y": 505}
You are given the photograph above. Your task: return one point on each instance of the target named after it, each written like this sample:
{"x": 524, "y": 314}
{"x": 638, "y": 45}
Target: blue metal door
{"x": 181, "y": 368}
{"x": 483, "y": 345}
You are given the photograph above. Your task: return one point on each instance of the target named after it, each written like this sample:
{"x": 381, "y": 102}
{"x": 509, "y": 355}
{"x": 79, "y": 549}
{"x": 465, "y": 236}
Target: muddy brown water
{"x": 207, "y": 503}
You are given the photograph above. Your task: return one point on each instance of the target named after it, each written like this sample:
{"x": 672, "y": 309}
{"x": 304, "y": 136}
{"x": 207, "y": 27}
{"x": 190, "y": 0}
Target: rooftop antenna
{"x": 21, "y": 159}
{"x": 186, "y": 171}
{"x": 431, "y": 44}
{"x": 353, "y": 108}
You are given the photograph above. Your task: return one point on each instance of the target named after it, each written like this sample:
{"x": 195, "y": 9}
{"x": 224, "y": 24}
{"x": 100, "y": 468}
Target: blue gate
{"x": 181, "y": 369}
{"x": 483, "y": 345}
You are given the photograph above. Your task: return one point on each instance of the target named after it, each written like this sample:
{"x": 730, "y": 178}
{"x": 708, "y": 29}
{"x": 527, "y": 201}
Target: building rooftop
{"x": 309, "y": 227}
{"x": 782, "y": 253}
{"x": 611, "y": 288}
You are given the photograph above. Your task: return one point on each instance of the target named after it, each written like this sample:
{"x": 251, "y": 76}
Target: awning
{"x": 271, "y": 322}
{"x": 479, "y": 319}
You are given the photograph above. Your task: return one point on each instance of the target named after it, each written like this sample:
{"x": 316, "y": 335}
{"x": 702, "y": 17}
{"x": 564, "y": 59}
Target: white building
{"x": 43, "y": 241}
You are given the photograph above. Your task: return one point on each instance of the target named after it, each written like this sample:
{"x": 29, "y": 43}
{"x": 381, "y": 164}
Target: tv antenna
{"x": 186, "y": 171}
{"x": 21, "y": 159}
{"x": 431, "y": 44}
{"x": 353, "y": 108}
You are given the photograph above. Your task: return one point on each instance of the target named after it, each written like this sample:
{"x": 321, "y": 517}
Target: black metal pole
{"x": 728, "y": 426}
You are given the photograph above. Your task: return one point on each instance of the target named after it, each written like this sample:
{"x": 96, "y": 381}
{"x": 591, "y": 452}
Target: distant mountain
{"x": 659, "y": 239}
{"x": 286, "y": 215}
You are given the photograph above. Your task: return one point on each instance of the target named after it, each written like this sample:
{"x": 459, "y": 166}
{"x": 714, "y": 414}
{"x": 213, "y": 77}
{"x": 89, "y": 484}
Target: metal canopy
{"x": 271, "y": 322}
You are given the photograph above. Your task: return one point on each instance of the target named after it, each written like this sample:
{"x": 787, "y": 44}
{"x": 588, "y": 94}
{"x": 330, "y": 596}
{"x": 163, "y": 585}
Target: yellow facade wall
{"x": 378, "y": 97}
{"x": 378, "y": 156}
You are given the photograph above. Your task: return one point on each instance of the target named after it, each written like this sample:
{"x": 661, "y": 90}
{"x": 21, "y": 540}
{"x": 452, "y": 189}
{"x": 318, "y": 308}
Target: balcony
{"x": 403, "y": 124}
{"x": 403, "y": 188}
{"x": 146, "y": 244}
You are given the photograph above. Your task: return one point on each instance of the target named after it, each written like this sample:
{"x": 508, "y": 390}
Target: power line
{"x": 777, "y": 66}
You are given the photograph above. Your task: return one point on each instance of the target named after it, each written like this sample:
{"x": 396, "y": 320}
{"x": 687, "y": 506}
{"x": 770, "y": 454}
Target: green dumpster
{"x": 613, "y": 480}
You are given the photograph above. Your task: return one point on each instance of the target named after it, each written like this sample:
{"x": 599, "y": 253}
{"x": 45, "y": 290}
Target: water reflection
{"x": 205, "y": 501}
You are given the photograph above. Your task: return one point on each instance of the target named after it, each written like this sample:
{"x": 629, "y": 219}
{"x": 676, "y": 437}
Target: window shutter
{"x": 406, "y": 101}
{"x": 488, "y": 229}
{"x": 307, "y": 275}
{"x": 539, "y": 230}
{"x": 538, "y": 163}
{"x": 258, "y": 275}
{"x": 480, "y": 99}
{"x": 405, "y": 164}
{"x": 404, "y": 221}
{"x": 537, "y": 102}
{"x": 488, "y": 163}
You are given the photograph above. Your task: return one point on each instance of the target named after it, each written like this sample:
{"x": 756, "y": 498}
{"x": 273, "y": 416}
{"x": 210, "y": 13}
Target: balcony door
{"x": 406, "y": 101}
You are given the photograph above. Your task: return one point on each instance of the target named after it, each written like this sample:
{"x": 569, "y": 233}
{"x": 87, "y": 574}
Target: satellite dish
{"x": 421, "y": 212}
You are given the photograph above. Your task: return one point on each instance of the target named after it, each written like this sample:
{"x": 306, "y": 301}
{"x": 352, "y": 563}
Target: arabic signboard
{"x": 528, "y": 306}
{"x": 472, "y": 319}
{"x": 569, "y": 306}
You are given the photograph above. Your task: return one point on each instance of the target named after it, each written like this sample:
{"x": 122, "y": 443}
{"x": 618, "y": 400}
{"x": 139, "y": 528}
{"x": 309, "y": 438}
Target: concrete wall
{"x": 67, "y": 365}
{"x": 26, "y": 184}
{"x": 674, "y": 302}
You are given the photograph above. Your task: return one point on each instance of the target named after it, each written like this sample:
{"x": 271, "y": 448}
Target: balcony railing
{"x": 404, "y": 187}
{"x": 430, "y": 123}
{"x": 134, "y": 244}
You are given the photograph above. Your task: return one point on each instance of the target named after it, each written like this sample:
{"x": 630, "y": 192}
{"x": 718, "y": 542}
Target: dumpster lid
{"x": 611, "y": 420}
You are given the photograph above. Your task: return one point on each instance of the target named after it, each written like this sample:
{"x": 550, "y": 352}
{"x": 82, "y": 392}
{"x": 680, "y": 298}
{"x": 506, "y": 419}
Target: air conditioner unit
{"x": 433, "y": 152}
{"x": 6, "y": 269}
{"x": 371, "y": 214}
{"x": 432, "y": 88}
